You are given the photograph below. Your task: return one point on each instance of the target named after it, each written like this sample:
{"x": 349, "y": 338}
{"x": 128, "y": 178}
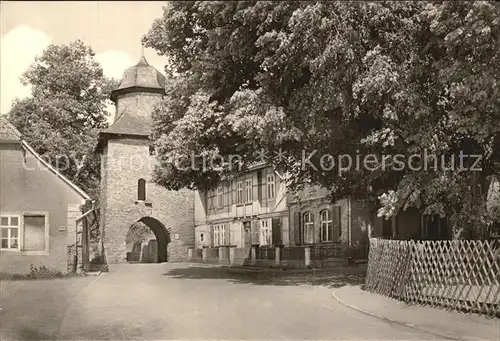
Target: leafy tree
{"x": 336, "y": 78}
{"x": 65, "y": 111}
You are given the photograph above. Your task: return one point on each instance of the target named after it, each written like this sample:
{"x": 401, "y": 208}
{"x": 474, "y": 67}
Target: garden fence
{"x": 457, "y": 274}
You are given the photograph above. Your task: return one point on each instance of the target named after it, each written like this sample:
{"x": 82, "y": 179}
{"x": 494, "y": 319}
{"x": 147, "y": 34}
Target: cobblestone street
{"x": 188, "y": 301}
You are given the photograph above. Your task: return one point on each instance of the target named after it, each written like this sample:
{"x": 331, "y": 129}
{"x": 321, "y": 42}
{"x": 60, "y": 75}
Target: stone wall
{"x": 127, "y": 161}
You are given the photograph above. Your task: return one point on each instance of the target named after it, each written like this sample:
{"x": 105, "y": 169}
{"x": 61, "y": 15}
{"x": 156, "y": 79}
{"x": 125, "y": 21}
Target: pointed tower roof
{"x": 140, "y": 77}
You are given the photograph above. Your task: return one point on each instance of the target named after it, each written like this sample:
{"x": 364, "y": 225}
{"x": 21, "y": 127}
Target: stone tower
{"x": 127, "y": 194}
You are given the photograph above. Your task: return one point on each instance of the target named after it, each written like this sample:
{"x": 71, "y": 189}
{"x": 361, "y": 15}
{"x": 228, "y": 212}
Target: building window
{"x": 10, "y": 232}
{"x": 308, "y": 228}
{"x": 248, "y": 190}
{"x": 326, "y": 226}
{"x": 270, "y": 186}
{"x": 220, "y": 203}
{"x": 141, "y": 190}
{"x": 219, "y": 235}
{"x": 239, "y": 192}
{"x": 201, "y": 237}
{"x": 34, "y": 233}
{"x": 265, "y": 233}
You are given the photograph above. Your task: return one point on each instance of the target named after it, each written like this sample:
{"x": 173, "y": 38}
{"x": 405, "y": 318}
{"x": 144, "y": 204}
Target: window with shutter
{"x": 270, "y": 186}
{"x": 232, "y": 194}
{"x": 255, "y": 232}
{"x": 297, "y": 228}
{"x": 210, "y": 200}
{"x": 308, "y": 228}
{"x": 212, "y": 233}
{"x": 34, "y": 232}
{"x": 326, "y": 226}
{"x": 227, "y": 233}
{"x": 239, "y": 192}
{"x": 227, "y": 194}
{"x": 265, "y": 233}
{"x": 259, "y": 185}
{"x": 220, "y": 202}
{"x": 248, "y": 191}
{"x": 337, "y": 221}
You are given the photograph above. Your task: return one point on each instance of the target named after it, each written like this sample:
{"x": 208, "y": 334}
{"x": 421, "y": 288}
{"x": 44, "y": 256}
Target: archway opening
{"x": 147, "y": 241}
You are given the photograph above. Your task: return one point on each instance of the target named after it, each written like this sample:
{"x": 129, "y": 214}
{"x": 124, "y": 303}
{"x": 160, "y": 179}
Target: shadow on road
{"x": 333, "y": 278}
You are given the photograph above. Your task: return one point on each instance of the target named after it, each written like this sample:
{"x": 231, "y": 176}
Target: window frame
{"x": 8, "y": 228}
{"x": 216, "y": 235}
{"x": 248, "y": 190}
{"x": 140, "y": 184}
{"x": 326, "y": 224}
{"x": 219, "y": 235}
{"x": 271, "y": 186}
{"x": 21, "y": 232}
{"x": 239, "y": 192}
{"x": 307, "y": 226}
{"x": 265, "y": 237}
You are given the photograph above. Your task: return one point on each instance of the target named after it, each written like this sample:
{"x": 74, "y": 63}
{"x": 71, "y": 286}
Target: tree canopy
{"x": 65, "y": 111}
{"x": 336, "y": 78}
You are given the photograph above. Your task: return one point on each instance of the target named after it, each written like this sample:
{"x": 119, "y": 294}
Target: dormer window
{"x": 141, "y": 190}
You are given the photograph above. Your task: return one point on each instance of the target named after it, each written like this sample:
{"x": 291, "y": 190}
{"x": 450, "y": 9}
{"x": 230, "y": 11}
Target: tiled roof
{"x": 129, "y": 124}
{"x": 125, "y": 124}
{"x": 140, "y": 75}
{"x": 7, "y": 131}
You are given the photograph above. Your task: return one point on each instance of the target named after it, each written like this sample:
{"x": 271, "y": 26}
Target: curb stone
{"x": 409, "y": 325}
{"x": 281, "y": 270}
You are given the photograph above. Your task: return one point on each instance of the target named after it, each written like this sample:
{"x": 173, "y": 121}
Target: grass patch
{"x": 41, "y": 272}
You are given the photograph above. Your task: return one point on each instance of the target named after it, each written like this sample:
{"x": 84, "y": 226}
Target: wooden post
{"x": 232, "y": 249}
{"x": 277, "y": 256}
{"x": 204, "y": 254}
{"x": 253, "y": 253}
{"x": 220, "y": 251}
{"x": 86, "y": 237}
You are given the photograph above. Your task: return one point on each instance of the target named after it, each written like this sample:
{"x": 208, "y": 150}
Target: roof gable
{"x": 55, "y": 171}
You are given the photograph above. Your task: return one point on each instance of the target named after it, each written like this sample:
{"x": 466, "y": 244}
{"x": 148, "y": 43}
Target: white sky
{"x": 113, "y": 29}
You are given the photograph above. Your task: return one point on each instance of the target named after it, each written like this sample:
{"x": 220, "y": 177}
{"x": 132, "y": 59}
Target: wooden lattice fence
{"x": 457, "y": 274}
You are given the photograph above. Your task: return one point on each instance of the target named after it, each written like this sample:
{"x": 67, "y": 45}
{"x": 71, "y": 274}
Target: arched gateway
{"x": 127, "y": 162}
{"x": 147, "y": 241}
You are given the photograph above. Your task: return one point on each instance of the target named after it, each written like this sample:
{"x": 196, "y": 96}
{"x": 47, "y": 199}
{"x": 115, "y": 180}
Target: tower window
{"x": 141, "y": 190}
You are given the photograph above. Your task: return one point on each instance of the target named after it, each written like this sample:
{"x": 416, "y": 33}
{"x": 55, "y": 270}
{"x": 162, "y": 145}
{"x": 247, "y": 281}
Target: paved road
{"x": 187, "y": 302}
